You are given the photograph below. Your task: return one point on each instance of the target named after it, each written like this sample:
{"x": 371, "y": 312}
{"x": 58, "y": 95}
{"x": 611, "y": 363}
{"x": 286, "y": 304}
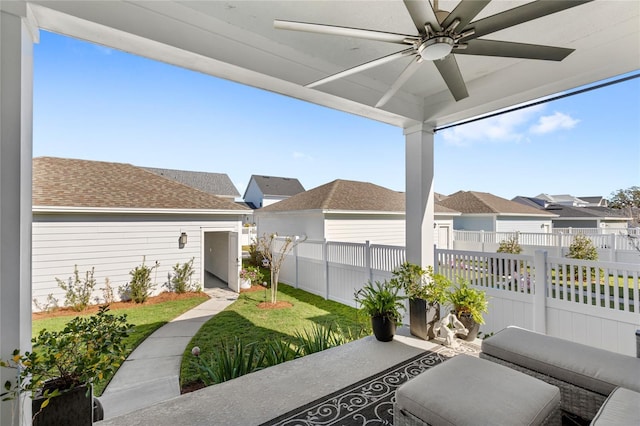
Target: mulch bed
{"x": 91, "y": 309}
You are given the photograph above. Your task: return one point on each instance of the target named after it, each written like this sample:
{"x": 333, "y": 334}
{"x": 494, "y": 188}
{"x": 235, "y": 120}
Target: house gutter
{"x": 126, "y": 210}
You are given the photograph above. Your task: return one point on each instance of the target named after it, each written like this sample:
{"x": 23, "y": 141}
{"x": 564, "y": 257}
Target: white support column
{"x": 419, "y": 195}
{"x": 16, "y": 115}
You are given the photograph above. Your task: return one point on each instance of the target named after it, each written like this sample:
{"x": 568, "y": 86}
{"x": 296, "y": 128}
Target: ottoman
{"x": 470, "y": 391}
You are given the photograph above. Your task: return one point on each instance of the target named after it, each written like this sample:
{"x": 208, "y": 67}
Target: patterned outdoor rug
{"x": 370, "y": 401}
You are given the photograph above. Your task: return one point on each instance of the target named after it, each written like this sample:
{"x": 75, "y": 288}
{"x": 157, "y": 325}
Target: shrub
{"x": 255, "y": 257}
{"x": 87, "y": 349}
{"x": 78, "y": 292}
{"x": 510, "y": 245}
{"x": 107, "y": 292}
{"x": 318, "y": 338}
{"x": 229, "y": 363}
{"x": 140, "y": 286}
{"x": 582, "y": 248}
{"x": 180, "y": 280}
{"x": 50, "y": 305}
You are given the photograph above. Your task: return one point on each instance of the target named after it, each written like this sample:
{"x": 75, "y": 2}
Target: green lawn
{"x": 251, "y": 324}
{"x": 145, "y": 318}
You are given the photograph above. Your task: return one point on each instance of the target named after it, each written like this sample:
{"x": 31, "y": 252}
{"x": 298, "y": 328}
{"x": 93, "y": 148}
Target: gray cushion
{"x": 469, "y": 391}
{"x": 621, "y": 408}
{"x": 590, "y": 368}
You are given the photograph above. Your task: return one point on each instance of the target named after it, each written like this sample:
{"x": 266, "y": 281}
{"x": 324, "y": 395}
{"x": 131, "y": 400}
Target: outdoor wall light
{"x": 183, "y": 239}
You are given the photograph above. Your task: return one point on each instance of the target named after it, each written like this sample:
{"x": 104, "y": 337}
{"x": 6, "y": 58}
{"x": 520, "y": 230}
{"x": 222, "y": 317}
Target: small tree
{"x": 275, "y": 258}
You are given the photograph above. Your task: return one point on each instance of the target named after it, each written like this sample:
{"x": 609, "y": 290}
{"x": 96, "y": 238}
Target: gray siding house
{"x": 482, "y": 211}
{"x": 265, "y": 190}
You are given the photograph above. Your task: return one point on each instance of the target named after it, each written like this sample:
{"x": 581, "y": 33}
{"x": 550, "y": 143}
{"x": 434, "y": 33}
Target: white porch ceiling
{"x": 236, "y": 40}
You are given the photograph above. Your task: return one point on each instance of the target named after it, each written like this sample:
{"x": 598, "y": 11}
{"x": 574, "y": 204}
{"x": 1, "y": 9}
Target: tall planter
{"x": 384, "y": 328}
{"x": 422, "y": 318}
{"x": 72, "y": 408}
{"x": 470, "y": 324}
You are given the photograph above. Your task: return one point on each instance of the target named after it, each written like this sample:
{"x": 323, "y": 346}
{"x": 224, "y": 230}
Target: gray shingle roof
{"x": 213, "y": 183}
{"x": 483, "y": 202}
{"x": 278, "y": 186}
{"x": 64, "y": 182}
{"x": 587, "y": 212}
{"x": 343, "y": 195}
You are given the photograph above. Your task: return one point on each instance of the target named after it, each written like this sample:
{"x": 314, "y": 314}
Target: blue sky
{"x": 95, "y": 103}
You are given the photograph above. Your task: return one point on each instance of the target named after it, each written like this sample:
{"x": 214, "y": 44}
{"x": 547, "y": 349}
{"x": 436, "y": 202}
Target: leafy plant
{"x": 510, "y": 245}
{"x": 277, "y": 351}
{"x": 86, "y": 349}
{"x": 255, "y": 257}
{"x": 78, "y": 292}
{"x": 466, "y": 299}
{"x": 381, "y": 300}
{"x": 229, "y": 362}
{"x": 318, "y": 338}
{"x": 180, "y": 279}
{"x": 140, "y": 286}
{"x": 421, "y": 283}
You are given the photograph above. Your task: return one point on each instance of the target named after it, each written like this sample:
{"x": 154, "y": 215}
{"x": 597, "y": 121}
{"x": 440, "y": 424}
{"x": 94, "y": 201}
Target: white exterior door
{"x": 235, "y": 262}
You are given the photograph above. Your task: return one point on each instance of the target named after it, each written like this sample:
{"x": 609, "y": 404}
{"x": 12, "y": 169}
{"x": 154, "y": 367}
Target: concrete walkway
{"x": 151, "y": 373}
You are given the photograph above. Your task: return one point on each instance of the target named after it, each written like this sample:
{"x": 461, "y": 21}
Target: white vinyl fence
{"x": 595, "y": 303}
{"x": 615, "y": 247}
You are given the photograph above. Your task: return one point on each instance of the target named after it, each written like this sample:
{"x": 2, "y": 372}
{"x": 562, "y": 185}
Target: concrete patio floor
{"x": 263, "y": 395}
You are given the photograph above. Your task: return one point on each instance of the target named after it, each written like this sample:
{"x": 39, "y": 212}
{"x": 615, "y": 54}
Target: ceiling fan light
{"x": 436, "y": 48}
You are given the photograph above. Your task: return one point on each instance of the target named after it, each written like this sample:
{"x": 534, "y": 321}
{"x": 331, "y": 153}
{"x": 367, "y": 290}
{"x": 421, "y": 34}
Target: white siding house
{"x": 111, "y": 216}
{"x": 346, "y": 211}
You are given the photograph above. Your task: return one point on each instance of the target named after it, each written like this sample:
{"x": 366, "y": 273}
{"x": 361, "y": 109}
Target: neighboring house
{"x": 265, "y": 190}
{"x": 570, "y": 200}
{"x": 346, "y": 211}
{"x": 607, "y": 219}
{"x": 481, "y": 211}
{"x": 218, "y": 184}
{"x": 111, "y": 216}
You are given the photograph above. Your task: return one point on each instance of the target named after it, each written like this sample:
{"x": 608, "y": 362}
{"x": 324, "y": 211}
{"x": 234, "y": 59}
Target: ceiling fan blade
{"x": 465, "y": 11}
{"x": 402, "y": 78}
{"x": 508, "y": 49}
{"x": 450, "y": 72}
{"x": 422, "y": 13}
{"x": 345, "y": 31}
{"x": 362, "y": 67}
{"x": 519, "y": 15}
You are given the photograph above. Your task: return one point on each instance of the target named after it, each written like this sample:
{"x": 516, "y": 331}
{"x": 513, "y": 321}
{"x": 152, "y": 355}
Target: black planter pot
{"x": 469, "y": 323}
{"x": 422, "y": 318}
{"x": 72, "y": 408}
{"x": 384, "y": 328}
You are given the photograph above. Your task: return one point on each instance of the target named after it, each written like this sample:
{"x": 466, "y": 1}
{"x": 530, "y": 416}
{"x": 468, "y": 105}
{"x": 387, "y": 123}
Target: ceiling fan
{"x": 442, "y": 35}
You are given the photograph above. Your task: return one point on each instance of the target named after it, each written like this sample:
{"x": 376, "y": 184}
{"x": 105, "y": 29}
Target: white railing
{"x": 596, "y": 303}
{"x": 623, "y": 246}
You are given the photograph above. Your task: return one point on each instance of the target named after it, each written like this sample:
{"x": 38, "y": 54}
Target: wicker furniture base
{"x": 469, "y": 391}
{"x": 574, "y": 399}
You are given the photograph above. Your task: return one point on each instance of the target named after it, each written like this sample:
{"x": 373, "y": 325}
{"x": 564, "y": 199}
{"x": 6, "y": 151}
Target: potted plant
{"x": 382, "y": 302}
{"x": 469, "y": 304}
{"x": 251, "y": 275}
{"x": 426, "y": 292}
{"x": 60, "y": 370}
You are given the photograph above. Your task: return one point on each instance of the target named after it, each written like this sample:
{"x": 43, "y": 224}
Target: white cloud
{"x": 103, "y": 49}
{"x": 302, "y": 155}
{"x": 503, "y": 128}
{"x": 551, "y": 123}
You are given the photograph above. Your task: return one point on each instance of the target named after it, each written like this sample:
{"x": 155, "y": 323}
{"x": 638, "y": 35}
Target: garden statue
{"x": 447, "y": 328}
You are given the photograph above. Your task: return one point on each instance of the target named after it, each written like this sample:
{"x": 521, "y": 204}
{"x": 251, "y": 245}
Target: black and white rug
{"x": 370, "y": 401}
